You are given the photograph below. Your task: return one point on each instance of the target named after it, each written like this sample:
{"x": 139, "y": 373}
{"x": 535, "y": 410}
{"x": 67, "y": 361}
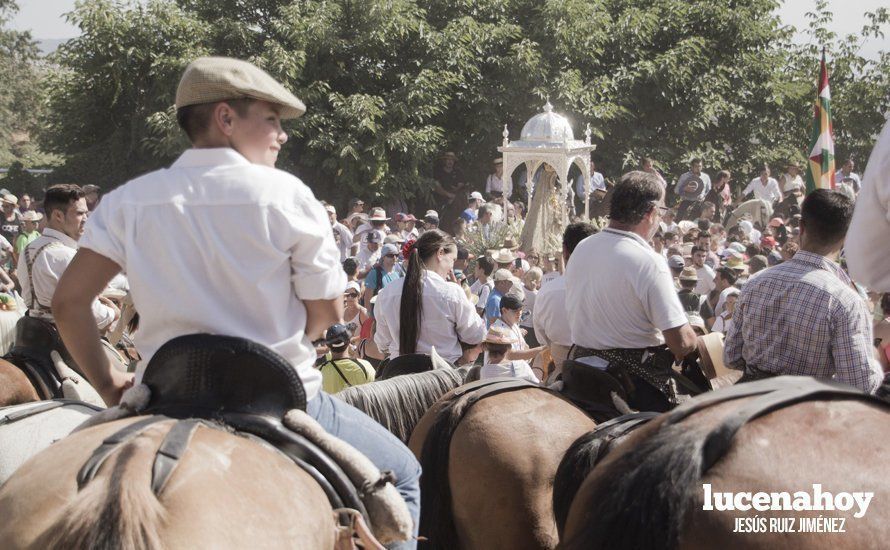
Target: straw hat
{"x": 503, "y": 256}
{"x": 212, "y": 79}
{"x": 378, "y": 215}
{"x": 10, "y": 199}
{"x": 688, "y": 274}
{"x": 32, "y": 216}
{"x": 448, "y": 155}
{"x": 500, "y": 335}
{"x": 510, "y": 244}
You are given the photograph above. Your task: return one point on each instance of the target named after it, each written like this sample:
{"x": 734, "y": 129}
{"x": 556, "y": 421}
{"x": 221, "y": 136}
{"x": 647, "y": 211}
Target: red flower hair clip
{"x": 407, "y": 247}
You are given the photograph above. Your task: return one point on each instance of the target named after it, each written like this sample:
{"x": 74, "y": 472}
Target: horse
{"x": 15, "y": 386}
{"x": 779, "y": 436}
{"x": 29, "y": 428}
{"x": 488, "y": 474}
{"x": 227, "y": 491}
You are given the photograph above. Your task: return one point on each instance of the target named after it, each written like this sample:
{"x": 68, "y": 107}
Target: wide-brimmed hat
{"x": 447, "y": 155}
{"x": 510, "y": 244}
{"x": 500, "y": 335}
{"x": 698, "y": 186}
{"x": 503, "y": 256}
{"x": 688, "y": 274}
{"x": 498, "y": 160}
{"x": 378, "y": 215}
{"x": 10, "y": 199}
{"x": 32, "y": 216}
{"x": 212, "y": 79}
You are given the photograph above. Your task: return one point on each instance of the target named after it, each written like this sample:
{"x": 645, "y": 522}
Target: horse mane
{"x": 400, "y": 402}
{"x": 115, "y": 510}
{"x": 641, "y": 500}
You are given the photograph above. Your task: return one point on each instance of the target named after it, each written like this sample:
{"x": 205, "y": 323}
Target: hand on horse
{"x": 114, "y": 390}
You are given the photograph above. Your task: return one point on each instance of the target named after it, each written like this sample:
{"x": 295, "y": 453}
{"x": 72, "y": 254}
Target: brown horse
{"x": 489, "y": 468}
{"x": 650, "y": 491}
{"x": 15, "y": 386}
{"x": 227, "y": 491}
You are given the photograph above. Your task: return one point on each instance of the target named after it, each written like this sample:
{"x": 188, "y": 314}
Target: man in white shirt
{"x": 223, "y": 243}
{"x": 848, "y": 176}
{"x": 725, "y": 283}
{"x": 764, "y": 187}
{"x": 791, "y": 180}
{"x": 622, "y": 304}
{"x": 344, "y": 232}
{"x": 551, "y": 323}
{"x": 866, "y": 244}
{"x": 496, "y": 185}
{"x": 45, "y": 259}
{"x": 369, "y": 254}
{"x": 704, "y": 272}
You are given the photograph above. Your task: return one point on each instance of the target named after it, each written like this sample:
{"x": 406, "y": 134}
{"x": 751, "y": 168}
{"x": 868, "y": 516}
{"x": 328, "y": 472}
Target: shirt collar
{"x": 817, "y": 260}
{"x": 59, "y": 236}
{"x": 432, "y": 274}
{"x": 629, "y": 234}
{"x": 193, "y": 158}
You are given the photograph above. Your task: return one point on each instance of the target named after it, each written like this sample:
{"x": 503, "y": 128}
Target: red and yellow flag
{"x": 820, "y": 165}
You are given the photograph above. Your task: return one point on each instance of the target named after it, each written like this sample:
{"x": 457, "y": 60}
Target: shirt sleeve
{"x": 470, "y": 327}
{"x": 371, "y": 279}
{"x": 851, "y": 348}
{"x": 733, "y": 344}
{"x": 382, "y": 335}
{"x": 488, "y": 185}
{"x": 484, "y": 292}
{"x": 317, "y": 273}
{"x": 492, "y": 307}
{"x": 104, "y": 229}
{"x": 540, "y": 331}
{"x": 662, "y": 302}
{"x": 749, "y": 188}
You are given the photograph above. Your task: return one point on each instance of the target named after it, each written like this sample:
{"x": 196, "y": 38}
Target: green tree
{"x": 20, "y": 97}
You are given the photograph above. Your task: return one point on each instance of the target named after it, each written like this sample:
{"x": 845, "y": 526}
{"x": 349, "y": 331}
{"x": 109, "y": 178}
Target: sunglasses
{"x": 352, "y": 294}
{"x": 390, "y": 255}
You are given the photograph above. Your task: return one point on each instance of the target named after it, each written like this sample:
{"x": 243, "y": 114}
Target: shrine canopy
{"x": 547, "y": 138}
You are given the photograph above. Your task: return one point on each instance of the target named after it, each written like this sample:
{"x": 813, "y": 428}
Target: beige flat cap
{"x": 211, "y": 79}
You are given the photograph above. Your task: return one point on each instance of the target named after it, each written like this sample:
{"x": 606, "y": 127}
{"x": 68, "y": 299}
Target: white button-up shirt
{"x": 769, "y": 192}
{"x": 501, "y": 185}
{"x": 216, "y": 244}
{"x": 550, "y": 319}
{"x": 448, "y": 316}
{"x": 620, "y": 293}
{"x": 48, "y": 267}
{"x": 865, "y": 247}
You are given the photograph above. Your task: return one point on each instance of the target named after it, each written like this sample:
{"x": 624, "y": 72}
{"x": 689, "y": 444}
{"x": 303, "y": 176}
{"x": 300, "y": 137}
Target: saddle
{"x": 34, "y": 340}
{"x": 412, "y": 363}
{"x": 203, "y": 379}
{"x": 591, "y": 389}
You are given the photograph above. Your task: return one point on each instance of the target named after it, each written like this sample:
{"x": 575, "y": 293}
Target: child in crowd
{"x": 511, "y": 311}
{"x": 483, "y": 284}
{"x": 498, "y": 343}
{"x": 532, "y": 283}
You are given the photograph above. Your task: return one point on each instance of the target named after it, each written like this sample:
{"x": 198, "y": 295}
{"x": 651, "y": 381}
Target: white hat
{"x": 378, "y": 215}
{"x": 352, "y": 285}
{"x": 10, "y": 199}
{"x": 503, "y": 256}
{"x": 476, "y": 195}
{"x": 389, "y": 248}
{"x": 503, "y": 275}
{"x": 431, "y": 213}
{"x": 32, "y": 216}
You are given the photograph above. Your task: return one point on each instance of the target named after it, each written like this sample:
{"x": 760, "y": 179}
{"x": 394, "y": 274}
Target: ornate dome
{"x": 548, "y": 127}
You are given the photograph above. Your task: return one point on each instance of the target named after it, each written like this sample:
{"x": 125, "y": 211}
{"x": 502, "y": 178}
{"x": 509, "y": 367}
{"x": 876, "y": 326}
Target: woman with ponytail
{"x": 427, "y": 308}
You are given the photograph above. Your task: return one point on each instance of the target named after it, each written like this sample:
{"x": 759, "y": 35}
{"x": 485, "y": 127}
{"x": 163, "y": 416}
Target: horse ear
{"x": 437, "y": 360}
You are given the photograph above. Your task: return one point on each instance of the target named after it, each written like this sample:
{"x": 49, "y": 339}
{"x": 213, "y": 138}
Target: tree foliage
{"x": 391, "y": 83}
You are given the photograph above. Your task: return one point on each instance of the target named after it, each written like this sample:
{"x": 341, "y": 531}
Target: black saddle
{"x": 34, "y": 340}
{"x": 205, "y": 376}
{"x": 591, "y": 389}
{"x": 235, "y": 382}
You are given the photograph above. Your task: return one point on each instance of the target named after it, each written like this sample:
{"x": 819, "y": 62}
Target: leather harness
{"x": 225, "y": 382}
{"x": 42, "y": 408}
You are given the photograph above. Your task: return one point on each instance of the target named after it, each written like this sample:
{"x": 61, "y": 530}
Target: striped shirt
{"x": 804, "y": 318}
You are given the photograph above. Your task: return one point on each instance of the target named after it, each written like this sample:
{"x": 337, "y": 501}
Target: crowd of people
{"x": 222, "y": 242}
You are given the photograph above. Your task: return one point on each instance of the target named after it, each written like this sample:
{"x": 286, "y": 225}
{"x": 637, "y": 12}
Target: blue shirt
{"x": 493, "y": 305}
{"x": 468, "y": 215}
{"x": 371, "y": 278}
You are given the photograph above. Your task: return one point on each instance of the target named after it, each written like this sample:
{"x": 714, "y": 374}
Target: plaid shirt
{"x": 803, "y": 317}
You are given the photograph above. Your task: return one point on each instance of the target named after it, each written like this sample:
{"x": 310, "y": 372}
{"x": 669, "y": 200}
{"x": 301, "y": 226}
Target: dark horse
{"x": 780, "y": 437}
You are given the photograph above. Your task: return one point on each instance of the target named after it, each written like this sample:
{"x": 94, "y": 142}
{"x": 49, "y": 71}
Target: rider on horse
{"x": 221, "y": 242}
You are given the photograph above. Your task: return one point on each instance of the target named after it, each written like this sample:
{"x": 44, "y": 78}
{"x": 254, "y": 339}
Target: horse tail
{"x": 641, "y": 500}
{"x": 436, "y": 518}
{"x": 115, "y": 510}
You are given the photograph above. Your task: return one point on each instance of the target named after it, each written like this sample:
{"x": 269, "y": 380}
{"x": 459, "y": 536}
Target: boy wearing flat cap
{"x": 221, "y": 242}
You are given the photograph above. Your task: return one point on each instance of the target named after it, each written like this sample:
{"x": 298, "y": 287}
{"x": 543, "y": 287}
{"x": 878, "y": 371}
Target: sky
{"x": 44, "y": 18}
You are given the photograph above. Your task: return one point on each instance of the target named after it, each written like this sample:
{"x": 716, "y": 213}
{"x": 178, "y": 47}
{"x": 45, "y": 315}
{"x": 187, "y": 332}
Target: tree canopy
{"x": 391, "y": 83}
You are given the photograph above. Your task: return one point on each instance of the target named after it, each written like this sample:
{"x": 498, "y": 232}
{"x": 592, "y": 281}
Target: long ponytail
{"x": 411, "y": 305}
